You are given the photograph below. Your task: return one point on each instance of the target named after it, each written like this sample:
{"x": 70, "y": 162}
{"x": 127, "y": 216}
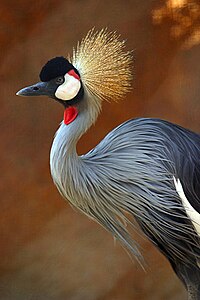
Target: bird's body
{"x": 148, "y": 169}
{"x": 132, "y": 170}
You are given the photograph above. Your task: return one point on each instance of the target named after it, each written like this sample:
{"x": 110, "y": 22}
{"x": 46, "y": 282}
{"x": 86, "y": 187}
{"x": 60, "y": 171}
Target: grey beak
{"x": 38, "y": 89}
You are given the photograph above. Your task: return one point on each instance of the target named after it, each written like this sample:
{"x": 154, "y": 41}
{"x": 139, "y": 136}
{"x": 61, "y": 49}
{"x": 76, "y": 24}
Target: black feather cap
{"x": 57, "y": 66}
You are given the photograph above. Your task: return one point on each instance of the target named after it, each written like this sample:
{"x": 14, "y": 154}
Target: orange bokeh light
{"x": 185, "y": 17}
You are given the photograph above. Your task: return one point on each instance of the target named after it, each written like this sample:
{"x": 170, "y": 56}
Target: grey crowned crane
{"x": 146, "y": 169}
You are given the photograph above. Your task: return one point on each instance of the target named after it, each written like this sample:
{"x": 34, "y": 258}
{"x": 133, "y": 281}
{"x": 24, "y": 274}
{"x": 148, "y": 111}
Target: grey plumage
{"x": 130, "y": 170}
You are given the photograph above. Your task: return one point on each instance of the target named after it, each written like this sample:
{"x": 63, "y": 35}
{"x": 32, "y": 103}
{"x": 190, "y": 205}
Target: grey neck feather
{"x": 64, "y": 160}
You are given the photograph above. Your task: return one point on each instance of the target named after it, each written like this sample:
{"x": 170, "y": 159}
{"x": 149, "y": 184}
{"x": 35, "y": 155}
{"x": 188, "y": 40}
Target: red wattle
{"x": 70, "y": 114}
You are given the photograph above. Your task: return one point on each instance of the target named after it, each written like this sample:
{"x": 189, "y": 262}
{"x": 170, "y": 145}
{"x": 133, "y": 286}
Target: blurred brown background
{"x": 48, "y": 251}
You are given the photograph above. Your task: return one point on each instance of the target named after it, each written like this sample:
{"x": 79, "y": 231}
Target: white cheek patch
{"x": 69, "y": 89}
{"x": 191, "y": 212}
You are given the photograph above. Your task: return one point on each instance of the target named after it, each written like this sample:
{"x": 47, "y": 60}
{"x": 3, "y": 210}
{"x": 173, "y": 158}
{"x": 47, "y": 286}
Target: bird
{"x": 144, "y": 173}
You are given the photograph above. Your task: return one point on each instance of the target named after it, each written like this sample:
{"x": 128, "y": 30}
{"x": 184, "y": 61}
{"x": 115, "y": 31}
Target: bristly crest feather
{"x": 105, "y": 67}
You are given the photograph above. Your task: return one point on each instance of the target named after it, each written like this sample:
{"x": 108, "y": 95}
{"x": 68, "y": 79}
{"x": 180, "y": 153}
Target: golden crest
{"x": 104, "y": 65}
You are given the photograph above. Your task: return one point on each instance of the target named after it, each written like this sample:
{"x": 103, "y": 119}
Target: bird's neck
{"x": 64, "y": 160}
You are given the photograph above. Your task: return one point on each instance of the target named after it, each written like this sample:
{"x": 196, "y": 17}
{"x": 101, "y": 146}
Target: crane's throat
{"x": 70, "y": 114}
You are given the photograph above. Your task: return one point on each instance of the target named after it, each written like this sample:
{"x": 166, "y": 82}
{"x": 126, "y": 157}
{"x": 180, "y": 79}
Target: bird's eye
{"x": 59, "y": 80}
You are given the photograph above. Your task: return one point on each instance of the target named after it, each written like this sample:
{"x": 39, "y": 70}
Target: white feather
{"x": 191, "y": 212}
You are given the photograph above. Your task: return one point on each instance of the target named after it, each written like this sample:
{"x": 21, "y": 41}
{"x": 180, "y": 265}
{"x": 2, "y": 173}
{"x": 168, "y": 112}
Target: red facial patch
{"x": 74, "y": 74}
{"x": 70, "y": 114}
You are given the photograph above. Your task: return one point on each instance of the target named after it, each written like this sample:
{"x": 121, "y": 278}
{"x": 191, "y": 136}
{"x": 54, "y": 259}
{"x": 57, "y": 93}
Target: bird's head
{"x": 61, "y": 81}
{"x": 99, "y": 68}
